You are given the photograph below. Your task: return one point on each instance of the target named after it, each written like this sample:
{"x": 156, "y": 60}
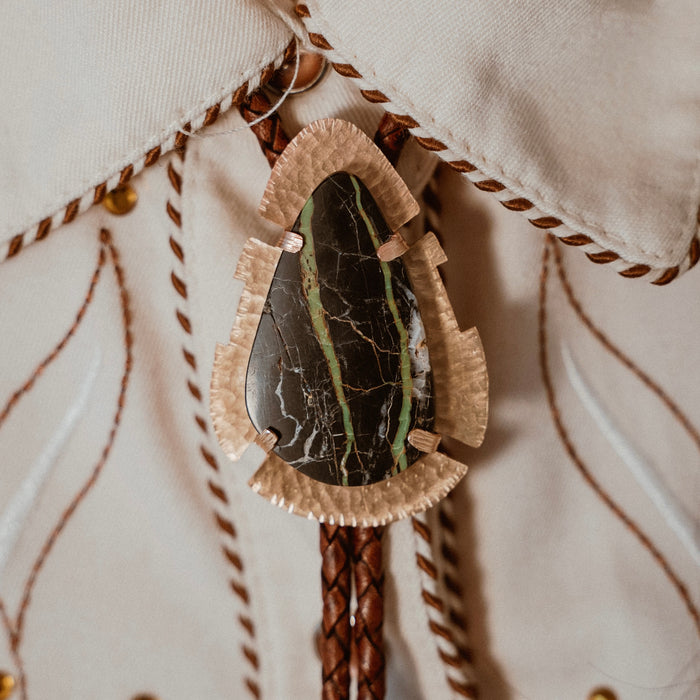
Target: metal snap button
{"x": 312, "y": 67}
{"x": 602, "y": 694}
{"x": 121, "y": 200}
{"x": 7, "y": 685}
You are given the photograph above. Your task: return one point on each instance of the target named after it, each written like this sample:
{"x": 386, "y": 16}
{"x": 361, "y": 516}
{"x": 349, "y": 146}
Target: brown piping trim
{"x": 374, "y": 96}
{"x": 665, "y": 276}
{"x": 319, "y": 41}
{"x": 71, "y": 211}
{"x": 518, "y": 204}
{"x": 222, "y": 520}
{"x": 604, "y": 257}
{"x": 577, "y": 460}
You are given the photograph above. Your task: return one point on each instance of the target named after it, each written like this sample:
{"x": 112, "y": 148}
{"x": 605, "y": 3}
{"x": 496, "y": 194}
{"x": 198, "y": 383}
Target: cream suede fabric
{"x": 135, "y": 596}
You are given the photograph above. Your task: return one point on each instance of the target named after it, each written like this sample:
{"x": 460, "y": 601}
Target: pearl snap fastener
{"x": 121, "y": 200}
{"x": 312, "y": 67}
{"x": 7, "y": 685}
{"x": 602, "y": 694}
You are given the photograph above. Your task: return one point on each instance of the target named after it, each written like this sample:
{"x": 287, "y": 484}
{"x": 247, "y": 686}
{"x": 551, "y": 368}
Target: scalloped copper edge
{"x": 325, "y": 147}
{"x": 418, "y": 488}
{"x": 227, "y": 407}
{"x": 457, "y": 357}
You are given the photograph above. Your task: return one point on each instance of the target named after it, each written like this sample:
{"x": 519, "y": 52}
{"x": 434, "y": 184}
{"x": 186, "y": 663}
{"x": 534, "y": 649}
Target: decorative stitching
{"x": 174, "y": 141}
{"x": 14, "y": 630}
{"x": 538, "y": 218}
{"x": 17, "y": 395}
{"x": 577, "y": 460}
{"x": 619, "y": 355}
{"x": 458, "y": 671}
{"x": 227, "y": 531}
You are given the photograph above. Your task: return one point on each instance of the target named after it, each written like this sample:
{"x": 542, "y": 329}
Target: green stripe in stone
{"x": 309, "y": 277}
{"x": 398, "y": 446}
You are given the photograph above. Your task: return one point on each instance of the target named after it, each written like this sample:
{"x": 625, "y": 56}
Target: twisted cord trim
{"x": 175, "y": 141}
{"x": 538, "y": 218}
{"x": 227, "y": 531}
{"x": 459, "y": 673}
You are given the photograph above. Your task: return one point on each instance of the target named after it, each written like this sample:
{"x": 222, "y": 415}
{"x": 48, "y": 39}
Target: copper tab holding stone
{"x": 394, "y": 248}
{"x": 291, "y": 241}
{"x": 267, "y": 440}
{"x": 424, "y": 441}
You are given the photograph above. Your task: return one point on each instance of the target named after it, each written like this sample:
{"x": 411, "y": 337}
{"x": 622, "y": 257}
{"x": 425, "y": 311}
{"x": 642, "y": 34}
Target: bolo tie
{"x": 346, "y": 364}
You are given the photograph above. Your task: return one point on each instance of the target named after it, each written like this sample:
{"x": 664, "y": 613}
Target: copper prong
{"x": 267, "y": 440}
{"x": 394, "y": 248}
{"x": 424, "y": 441}
{"x": 291, "y": 242}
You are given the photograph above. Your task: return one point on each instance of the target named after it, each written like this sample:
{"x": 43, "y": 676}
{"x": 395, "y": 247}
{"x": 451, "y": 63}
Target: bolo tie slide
{"x": 346, "y": 365}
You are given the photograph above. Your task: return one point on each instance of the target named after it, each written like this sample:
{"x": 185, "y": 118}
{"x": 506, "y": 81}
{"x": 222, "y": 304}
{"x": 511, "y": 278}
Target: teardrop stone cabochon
{"x": 340, "y": 368}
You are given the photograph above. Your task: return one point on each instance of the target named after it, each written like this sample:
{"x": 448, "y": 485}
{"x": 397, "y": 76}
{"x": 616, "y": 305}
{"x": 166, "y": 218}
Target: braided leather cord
{"x": 391, "y": 136}
{"x": 336, "y": 571}
{"x": 269, "y": 131}
{"x": 369, "y": 616}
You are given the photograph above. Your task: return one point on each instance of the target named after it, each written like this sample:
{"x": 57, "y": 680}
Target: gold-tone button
{"x": 145, "y": 696}
{"x": 312, "y": 67}
{"x": 121, "y": 200}
{"x": 602, "y": 694}
{"x": 7, "y": 685}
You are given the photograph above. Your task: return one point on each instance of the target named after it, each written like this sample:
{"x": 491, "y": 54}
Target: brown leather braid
{"x": 336, "y": 570}
{"x": 369, "y": 616}
{"x": 270, "y": 133}
{"x": 391, "y": 136}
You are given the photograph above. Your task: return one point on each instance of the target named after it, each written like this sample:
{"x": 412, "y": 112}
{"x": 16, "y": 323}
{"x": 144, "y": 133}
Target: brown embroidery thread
{"x": 15, "y": 630}
{"x": 624, "y": 359}
{"x": 578, "y": 462}
{"x": 17, "y": 395}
